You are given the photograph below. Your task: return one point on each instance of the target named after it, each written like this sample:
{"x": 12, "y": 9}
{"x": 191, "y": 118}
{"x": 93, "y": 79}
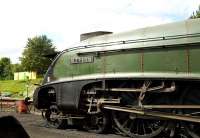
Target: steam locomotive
{"x": 142, "y": 82}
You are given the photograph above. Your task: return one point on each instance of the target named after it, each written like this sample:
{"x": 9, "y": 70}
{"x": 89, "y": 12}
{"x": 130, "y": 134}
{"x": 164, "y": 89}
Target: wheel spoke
{"x": 137, "y": 127}
{"x": 143, "y": 127}
{"x": 191, "y": 96}
{"x": 131, "y": 126}
{"x": 151, "y": 128}
{"x": 52, "y": 119}
{"x": 125, "y": 123}
{"x": 98, "y": 123}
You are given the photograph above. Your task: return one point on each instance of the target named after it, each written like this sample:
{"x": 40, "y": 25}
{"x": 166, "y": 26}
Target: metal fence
{"x": 10, "y": 105}
{"x": 7, "y": 105}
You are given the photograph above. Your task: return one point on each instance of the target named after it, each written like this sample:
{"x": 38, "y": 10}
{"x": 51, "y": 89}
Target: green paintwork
{"x": 165, "y": 61}
{"x": 195, "y": 60}
{"x": 165, "y": 49}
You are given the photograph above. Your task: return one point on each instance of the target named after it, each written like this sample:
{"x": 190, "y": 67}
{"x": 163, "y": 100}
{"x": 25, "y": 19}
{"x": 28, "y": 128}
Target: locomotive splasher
{"x": 144, "y": 82}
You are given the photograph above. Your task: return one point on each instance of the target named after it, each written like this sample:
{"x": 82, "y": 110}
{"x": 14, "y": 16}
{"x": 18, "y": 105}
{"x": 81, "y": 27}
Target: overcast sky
{"x": 64, "y": 20}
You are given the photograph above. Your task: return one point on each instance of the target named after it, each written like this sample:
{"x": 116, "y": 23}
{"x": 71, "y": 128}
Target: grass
{"x": 18, "y": 87}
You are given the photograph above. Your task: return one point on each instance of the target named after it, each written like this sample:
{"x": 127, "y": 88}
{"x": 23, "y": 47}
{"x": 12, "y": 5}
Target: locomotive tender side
{"x": 125, "y": 74}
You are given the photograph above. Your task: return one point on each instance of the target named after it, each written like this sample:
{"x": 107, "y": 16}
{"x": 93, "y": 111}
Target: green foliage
{"x": 33, "y": 57}
{"x": 5, "y": 69}
{"x": 196, "y": 14}
{"x": 17, "y": 68}
{"x": 12, "y": 86}
{"x": 16, "y": 86}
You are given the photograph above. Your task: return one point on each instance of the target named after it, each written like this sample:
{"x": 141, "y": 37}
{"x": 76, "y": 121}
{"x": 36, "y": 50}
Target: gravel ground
{"x": 35, "y": 127}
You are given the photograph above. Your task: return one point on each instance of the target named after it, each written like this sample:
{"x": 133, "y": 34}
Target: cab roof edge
{"x": 85, "y": 36}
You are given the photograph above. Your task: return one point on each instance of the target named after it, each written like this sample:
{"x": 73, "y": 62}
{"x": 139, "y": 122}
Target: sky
{"x": 64, "y": 20}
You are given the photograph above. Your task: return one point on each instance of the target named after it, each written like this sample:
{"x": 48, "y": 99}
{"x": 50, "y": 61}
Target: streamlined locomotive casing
{"x": 169, "y": 51}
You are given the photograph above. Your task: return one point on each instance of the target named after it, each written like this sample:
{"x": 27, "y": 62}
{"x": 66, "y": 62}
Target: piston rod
{"x": 154, "y": 114}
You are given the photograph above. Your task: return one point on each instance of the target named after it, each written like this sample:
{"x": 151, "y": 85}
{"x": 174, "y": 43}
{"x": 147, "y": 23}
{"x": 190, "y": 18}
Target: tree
{"x": 196, "y": 14}
{"x": 33, "y": 57}
{"x": 5, "y": 69}
{"x": 17, "y": 68}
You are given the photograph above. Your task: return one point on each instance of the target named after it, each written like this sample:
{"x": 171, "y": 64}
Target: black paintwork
{"x": 67, "y": 95}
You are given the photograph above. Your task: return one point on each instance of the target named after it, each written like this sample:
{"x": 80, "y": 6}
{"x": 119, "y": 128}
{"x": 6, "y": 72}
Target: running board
{"x": 154, "y": 113}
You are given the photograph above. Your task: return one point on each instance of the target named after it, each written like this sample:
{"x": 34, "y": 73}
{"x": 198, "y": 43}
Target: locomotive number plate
{"x": 79, "y": 60}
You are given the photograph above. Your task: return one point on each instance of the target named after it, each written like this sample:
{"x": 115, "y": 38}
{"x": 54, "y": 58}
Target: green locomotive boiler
{"x": 142, "y": 82}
